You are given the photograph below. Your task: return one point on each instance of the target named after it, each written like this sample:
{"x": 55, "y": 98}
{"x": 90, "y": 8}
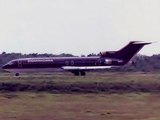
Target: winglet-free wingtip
{"x": 142, "y": 42}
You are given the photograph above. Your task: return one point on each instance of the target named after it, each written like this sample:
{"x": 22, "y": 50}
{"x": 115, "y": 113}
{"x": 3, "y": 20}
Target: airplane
{"x": 77, "y": 65}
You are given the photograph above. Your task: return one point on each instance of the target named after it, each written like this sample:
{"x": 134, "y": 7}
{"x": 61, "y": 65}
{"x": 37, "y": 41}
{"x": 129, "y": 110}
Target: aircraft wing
{"x": 85, "y": 68}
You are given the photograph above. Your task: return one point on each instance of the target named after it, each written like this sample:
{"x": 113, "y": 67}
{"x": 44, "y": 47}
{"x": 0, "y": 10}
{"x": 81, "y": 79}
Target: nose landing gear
{"x": 16, "y": 74}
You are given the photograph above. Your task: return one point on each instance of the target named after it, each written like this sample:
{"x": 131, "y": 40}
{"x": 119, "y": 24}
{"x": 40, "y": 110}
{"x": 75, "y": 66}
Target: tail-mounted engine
{"x": 108, "y": 62}
{"x": 113, "y": 62}
{"x": 108, "y": 54}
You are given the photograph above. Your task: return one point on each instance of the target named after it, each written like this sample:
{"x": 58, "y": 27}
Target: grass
{"x": 101, "y": 106}
{"x": 90, "y": 77}
{"x": 92, "y": 83}
{"x": 45, "y": 106}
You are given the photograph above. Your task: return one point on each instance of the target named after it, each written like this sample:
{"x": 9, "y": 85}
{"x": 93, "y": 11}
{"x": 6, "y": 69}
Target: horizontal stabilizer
{"x": 142, "y": 42}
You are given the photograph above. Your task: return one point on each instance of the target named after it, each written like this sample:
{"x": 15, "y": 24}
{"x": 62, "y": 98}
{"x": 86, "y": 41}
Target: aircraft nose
{"x": 4, "y": 66}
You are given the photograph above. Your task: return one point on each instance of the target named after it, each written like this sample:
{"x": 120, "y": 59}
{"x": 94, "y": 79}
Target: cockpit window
{"x": 10, "y": 63}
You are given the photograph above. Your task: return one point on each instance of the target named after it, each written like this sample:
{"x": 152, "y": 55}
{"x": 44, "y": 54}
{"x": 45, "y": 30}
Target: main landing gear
{"x": 77, "y": 73}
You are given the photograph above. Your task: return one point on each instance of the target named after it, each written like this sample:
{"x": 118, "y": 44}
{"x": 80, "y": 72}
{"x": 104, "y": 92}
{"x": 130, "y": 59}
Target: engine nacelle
{"x": 107, "y": 54}
{"x": 103, "y": 54}
{"x": 114, "y": 62}
{"x": 108, "y": 62}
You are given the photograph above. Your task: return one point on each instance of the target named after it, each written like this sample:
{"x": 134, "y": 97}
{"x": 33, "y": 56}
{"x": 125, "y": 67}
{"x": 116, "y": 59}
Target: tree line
{"x": 142, "y": 63}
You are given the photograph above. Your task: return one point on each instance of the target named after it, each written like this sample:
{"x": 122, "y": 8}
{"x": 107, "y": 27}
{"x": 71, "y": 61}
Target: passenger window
{"x": 67, "y": 63}
{"x": 72, "y": 62}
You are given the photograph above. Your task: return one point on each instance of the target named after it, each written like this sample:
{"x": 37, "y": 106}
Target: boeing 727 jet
{"x": 76, "y": 65}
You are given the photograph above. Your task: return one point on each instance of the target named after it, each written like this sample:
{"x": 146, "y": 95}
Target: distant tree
{"x": 83, "y": 56}
{"x": 3, "y": 53}
{"x": 65, "y": 55}
{"x": 92, "y": 54}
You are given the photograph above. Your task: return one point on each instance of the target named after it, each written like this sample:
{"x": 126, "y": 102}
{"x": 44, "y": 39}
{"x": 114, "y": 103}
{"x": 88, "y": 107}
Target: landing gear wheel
{"x": 17, "y": 74}
{"x": 83, "y": 73}
{"x": 76, "y": 73}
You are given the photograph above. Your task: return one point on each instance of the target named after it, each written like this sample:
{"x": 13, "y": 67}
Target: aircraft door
{"x": 19, "y": 64}
{"x": 99, "y": 61}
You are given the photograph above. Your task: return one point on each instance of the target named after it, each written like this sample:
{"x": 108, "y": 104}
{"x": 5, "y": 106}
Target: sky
{"x": 79, "y": 27}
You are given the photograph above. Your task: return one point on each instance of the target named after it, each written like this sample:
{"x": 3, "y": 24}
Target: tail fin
{"x": 127, "y": 52}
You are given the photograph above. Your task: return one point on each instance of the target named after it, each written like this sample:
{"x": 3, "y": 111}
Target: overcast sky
{"x": 78, "y": 26}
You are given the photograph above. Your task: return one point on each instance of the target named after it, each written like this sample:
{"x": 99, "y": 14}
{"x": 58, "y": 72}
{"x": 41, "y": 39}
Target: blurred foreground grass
{"x": 96, "y": 106}
{"x": 45, "y": 106}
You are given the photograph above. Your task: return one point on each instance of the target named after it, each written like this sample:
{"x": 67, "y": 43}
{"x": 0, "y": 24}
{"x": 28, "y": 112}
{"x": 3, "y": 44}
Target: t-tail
{"x": 127, "y": 52}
